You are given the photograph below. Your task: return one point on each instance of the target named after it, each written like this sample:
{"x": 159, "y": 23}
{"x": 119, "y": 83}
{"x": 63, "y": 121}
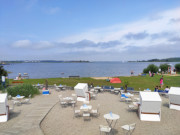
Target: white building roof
{"x": 3, "y": 97}
{"x": 150, "y": 96}
{"x": 174, "y": 91}
{"x": 80, "y": 86}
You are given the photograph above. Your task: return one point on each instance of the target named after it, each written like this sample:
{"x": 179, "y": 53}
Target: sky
{"x": 94, "y": 30}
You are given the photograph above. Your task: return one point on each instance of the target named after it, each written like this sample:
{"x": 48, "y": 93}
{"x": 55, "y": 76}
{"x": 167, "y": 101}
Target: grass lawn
{"x": 137, "y": 82}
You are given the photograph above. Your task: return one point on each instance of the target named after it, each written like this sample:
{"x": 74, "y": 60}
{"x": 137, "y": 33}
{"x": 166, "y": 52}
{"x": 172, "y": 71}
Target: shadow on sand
{"x": 166, "y": 105}
{"x": 14, "y": 114}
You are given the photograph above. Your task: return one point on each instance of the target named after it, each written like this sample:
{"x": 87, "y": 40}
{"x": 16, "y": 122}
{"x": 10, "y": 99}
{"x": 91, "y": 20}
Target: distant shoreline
{"x": 42, "y": 61}
{"x": 160, "y": 60}
{"x": 154, "y": 61}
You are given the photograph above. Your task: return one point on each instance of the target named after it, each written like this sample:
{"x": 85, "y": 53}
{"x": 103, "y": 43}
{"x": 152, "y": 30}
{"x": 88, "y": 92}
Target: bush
{"x": 3, "y": 72}
{"x": 145, "y": 70}
{"x": 177, "y": 66}
{"x": 1, "y": 87}
{"x": 153, "y": 68}
{"x": 24, "y": 90}
{"x": 164, "y": 67}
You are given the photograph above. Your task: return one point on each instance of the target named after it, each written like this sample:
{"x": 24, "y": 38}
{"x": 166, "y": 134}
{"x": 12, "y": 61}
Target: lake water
{"x": 93, "y": 69}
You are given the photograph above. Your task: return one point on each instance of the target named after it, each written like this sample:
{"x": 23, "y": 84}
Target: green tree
{"x": 177, "y": 66}
{"x": 153, "y": 68}
{"x": 164, "y": 67}
{"x": 3, "y": 72}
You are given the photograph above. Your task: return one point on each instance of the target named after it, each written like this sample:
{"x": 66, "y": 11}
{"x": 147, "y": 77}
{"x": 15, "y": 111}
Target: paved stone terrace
{"x": 29, "y": 123}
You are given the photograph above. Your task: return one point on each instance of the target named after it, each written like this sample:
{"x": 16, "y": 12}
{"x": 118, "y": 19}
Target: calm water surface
{"x": 93, "y": 69}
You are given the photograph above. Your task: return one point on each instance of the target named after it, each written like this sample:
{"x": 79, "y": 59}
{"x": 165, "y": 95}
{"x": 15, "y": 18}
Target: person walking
{"x": 150, "y": 73}
{"x": 3, "y": 81}
{"x": 161, "y": 81}
{"x": 132, "y": 72}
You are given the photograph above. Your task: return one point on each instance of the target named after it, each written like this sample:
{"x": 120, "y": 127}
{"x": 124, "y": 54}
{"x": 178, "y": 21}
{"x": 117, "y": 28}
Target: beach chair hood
{"x": 150, "y": 106}
{"x": 81, "y": 89}
{"x": 3, "y": 108}
{"x": 174, "y": 98}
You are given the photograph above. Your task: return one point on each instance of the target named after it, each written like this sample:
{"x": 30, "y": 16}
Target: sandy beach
{"x": 101, "y": 78}
{"x": 60, "y": 121}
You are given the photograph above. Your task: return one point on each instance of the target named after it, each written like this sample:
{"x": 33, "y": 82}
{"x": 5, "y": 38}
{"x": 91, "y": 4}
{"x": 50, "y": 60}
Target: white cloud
{"x": 22, "y": 44}
{"x": 159, "y": 24}
{"x": 43, "y": 44}
{"x": 150, "y": 37}
{"x": 32, "y": 45}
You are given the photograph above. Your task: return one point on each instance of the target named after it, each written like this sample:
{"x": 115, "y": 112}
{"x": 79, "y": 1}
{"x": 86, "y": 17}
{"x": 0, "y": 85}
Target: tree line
{"x": 163, "y": 68}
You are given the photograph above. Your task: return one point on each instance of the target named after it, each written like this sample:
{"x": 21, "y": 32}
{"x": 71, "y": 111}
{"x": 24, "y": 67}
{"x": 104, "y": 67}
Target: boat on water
{"x": 1, "y": 64}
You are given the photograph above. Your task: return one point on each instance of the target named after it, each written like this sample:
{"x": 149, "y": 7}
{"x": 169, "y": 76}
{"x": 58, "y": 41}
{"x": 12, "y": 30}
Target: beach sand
{"x": 101, "y": 78}
{"x": 60, "y": 120}
{"x": 104, "y": 78}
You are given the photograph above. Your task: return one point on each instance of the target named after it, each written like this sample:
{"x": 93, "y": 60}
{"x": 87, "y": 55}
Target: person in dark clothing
{"x": 92, "y": 85}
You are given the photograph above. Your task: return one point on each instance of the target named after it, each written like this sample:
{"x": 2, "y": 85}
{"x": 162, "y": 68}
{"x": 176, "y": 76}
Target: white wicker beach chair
{"x": 73, "y": 103}
{"x": 132, "y": 107}
{"x": 101, "y": 90}
{"x": 15, "y": 101}
{"x": 94, "y": 96}
{"x": 64, "y": 87}
{"x": 92, "y": 90}
{"x": 137, "y": 99}
{"x": 86, "y": 116}
{"x": 96, "y": 91}
{"x": 74, "y": 96}
{"x": 128, "y": 100}
{"x": 9, "y": 97}
{"x": 96, "y": 112}
{"x": 122, "y": 99}
{"x": 105, "y": 129}
{"x": 11, "y": 108}
{"x": 63, "y": 103}
{"x": 27, "y": 100}
{"x": 129, "y": 128}
{"x": 116, "y": 92}
{"x": 57, "y": 89}
{"x": 112, "y": 90}
{"x": 77, "y": 113}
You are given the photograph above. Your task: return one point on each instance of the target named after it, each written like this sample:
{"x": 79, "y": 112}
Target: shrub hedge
{"x": 164, "y": 67}
{"x": 23, "y": 90}
{"x": 177, "y": 66}
{"x": 153, "y": 68}
{"x": 1, "y": 87}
